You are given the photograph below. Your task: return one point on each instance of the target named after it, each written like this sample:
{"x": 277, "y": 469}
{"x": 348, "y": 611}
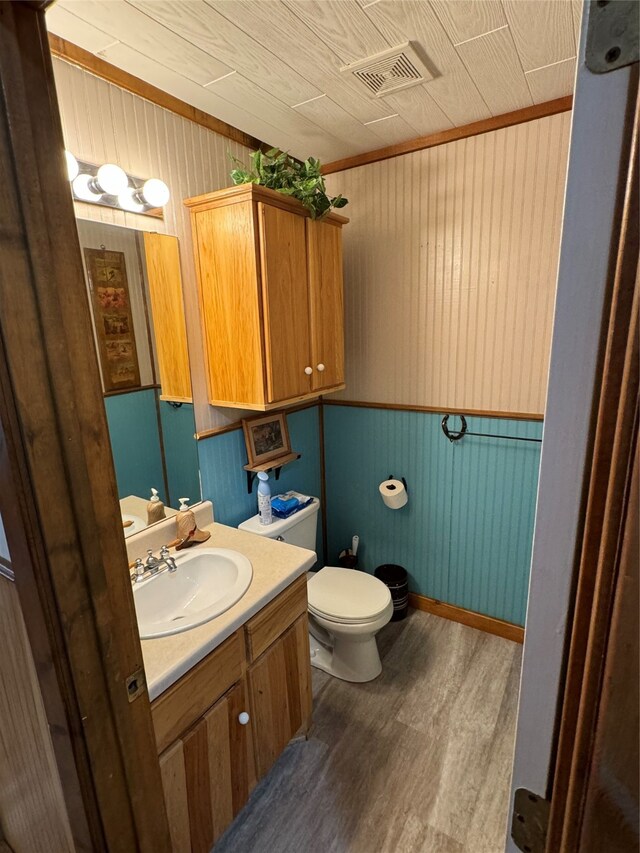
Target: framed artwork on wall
{"x": 113, "y": 319}
{"x": 266, "y": 437}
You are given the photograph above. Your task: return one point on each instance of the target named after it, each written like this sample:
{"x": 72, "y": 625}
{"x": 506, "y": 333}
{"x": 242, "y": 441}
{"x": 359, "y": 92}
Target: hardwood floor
{"x": 417, "y": 761}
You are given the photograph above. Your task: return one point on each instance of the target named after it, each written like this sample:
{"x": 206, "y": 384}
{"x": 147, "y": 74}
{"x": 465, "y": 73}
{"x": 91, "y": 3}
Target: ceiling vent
{"x": 389, "y": 71}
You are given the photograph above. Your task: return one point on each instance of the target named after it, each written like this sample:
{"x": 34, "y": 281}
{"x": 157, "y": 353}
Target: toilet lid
{"x": 347, "y": 595}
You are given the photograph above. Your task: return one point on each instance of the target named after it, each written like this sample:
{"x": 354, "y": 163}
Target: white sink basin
{"x": 208, "y": 582}
{"x": 137, "y": 524}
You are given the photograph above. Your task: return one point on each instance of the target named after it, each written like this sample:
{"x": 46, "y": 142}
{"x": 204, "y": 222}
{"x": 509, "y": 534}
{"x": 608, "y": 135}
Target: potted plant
{"x": 277, "y": 170}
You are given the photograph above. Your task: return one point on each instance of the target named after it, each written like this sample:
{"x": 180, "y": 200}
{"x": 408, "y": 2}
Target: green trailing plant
{"x": 277, "y": 170}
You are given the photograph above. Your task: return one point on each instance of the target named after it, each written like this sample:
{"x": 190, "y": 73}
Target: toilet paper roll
{"x": 393, "y": 493}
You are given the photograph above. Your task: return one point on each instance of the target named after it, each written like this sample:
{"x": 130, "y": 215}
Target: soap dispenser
{"x": 187, "y": 528}
{"x": 155, "y": 508}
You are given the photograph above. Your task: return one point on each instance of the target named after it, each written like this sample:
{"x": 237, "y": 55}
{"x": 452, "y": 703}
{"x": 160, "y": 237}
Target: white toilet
{"x": 346, "y": 607}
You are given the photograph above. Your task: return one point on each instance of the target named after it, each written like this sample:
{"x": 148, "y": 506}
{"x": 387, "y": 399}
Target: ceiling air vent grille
{"x": 389, "y": 71}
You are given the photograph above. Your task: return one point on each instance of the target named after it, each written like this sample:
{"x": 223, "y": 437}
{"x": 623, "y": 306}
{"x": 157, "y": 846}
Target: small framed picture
{"x": 266, "y": 437}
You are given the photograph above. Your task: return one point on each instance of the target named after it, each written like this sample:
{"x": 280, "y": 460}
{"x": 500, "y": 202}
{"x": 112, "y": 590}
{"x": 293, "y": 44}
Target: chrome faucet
{"x": 153, "y": 565}
{"x": 167, "y": 559}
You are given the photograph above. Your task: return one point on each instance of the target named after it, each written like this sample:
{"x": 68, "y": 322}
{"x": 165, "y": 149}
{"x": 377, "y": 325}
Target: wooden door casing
{"x": 66, "y": 541}
{"x": 286, "y": 302}
{"x": 326, "y": 303}
{"x": 280, "y": 693}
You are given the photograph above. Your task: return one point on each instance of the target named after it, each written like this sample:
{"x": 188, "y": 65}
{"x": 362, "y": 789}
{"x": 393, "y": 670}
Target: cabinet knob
{"x": 321, "y": 367}
{"x": 243, "y": 718}
{"x": 308, "y": 370}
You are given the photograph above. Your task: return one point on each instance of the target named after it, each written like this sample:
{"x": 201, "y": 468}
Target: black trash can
{"x": 395, "y": 577}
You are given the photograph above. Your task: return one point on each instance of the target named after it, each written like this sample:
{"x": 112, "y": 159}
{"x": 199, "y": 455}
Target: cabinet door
{"x": 208, "y": 774}
{"x": 280, "y": 687}
{"x": 227, "y": 266}
{"x": 162, "y": 258}
{"x": 285, "y": 296}
{"x": 326, "y": 304}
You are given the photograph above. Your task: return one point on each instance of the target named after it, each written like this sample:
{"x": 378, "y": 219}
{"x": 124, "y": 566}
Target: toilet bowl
{"x": 346, "y": 610}
{"x": 346, "y": 607}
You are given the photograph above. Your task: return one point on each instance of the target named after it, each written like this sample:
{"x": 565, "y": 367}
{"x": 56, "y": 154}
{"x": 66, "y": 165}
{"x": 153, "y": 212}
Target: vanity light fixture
{"x": 72, "y": 165}
{"x": 111, "y": 179}
{"x": 155, "y": 192}
{"x": 128, "y": 200}
{"x": 109, "y": 185}
{"x": 83, "y": 189}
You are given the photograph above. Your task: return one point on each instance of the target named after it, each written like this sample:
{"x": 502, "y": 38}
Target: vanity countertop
{"x": 275, "y": 566}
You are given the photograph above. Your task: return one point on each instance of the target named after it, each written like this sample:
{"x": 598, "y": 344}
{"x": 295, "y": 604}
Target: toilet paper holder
{"x": 404, "y": 482}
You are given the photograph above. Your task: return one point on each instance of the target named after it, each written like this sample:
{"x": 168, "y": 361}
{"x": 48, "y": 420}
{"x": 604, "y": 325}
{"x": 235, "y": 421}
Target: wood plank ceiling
{"x": 272, "y": 67}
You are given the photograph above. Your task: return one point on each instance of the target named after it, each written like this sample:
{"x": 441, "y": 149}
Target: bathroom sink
{"x": 208, "y": 581}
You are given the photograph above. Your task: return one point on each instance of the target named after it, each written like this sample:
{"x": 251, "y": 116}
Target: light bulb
{"x": 112, "y": 179}
{"x": 83, "y": 190}
{"x": 155, "y": 192}
{"x": 129, "y": 200}
{"x": 72, "y": 165}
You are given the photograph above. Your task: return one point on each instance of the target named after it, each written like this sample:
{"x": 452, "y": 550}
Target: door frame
{"x": 599, "y": 155}
{"x": 58, "y": 498}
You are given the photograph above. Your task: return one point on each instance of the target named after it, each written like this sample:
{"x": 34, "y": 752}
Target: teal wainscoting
{"x": 180, "y": 452}
{"x": 224, "y": 481}
{"x": 135, "y": 442}
{"x": 465, "y": 536}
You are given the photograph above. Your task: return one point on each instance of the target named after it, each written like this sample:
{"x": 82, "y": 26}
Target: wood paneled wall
{"x": 33, "y": 815}
{"x": 450, "y": 270}
{"x": 103, "y": 123}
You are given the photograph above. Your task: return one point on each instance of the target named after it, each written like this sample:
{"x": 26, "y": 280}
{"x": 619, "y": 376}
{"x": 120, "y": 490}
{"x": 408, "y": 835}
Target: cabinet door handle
{"x": 243, "y": 718}
{"x": 308, "y": 370}
{"x": 321, "y": 367}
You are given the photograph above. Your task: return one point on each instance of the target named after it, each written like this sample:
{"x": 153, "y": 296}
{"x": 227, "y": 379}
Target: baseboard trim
{"x": 489, "y": 624}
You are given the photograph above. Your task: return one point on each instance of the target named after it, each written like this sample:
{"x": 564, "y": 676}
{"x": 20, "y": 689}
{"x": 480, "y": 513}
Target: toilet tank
{"x": 299, "y": 529}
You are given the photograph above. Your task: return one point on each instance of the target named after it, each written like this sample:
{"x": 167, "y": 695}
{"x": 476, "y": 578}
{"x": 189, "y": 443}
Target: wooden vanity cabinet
{"x": 208, "y": 774}
{"x": 280, "y": 690}
{"x": 271, "y": 297}
{"x": 210, "y": 755}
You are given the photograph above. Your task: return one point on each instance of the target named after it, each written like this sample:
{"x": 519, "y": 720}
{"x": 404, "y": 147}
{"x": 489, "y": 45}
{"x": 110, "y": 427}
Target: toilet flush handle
{"x": 279, "y": 538}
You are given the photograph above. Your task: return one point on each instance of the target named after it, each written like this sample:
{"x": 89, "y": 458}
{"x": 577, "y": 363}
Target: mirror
{"x": 135, "y": 294}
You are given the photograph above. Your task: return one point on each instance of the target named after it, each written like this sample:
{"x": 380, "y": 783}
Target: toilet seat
{"x": 347, "y": 596}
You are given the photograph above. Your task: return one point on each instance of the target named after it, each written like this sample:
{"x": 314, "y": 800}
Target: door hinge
{"x": 612, "y": 35}
{"x": 136, "y": 684}
{"x": 530, "y": 821}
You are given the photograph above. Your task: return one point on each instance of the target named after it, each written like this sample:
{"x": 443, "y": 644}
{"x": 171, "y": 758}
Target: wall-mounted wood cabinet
{"x": 271, "y": 297}
{"x": 162, "y": 259}
{"x": 225, "y": 722}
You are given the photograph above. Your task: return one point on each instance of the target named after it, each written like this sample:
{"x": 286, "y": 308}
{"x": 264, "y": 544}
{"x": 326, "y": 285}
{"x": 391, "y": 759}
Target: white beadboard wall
{"x": 450, "y": 270}
{"x": 103, "y": 123}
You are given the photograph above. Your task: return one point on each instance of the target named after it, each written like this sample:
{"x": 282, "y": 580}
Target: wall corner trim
{"x": 549, "y": 108}
{"x": 437, "y": 410}
{"x": 75, "y": 55}
{"x": 488, "y": 624}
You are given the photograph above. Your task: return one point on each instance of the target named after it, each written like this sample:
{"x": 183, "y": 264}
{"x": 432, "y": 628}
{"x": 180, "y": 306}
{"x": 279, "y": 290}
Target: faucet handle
{"x": 151, "y": 560}
{"x": 164, "y": 552}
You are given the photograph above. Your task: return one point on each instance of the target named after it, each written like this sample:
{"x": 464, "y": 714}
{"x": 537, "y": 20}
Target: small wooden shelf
{"x": 271, "y": 465}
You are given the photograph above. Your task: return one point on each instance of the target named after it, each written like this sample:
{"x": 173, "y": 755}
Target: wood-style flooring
{"x": 417, "y": 761}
